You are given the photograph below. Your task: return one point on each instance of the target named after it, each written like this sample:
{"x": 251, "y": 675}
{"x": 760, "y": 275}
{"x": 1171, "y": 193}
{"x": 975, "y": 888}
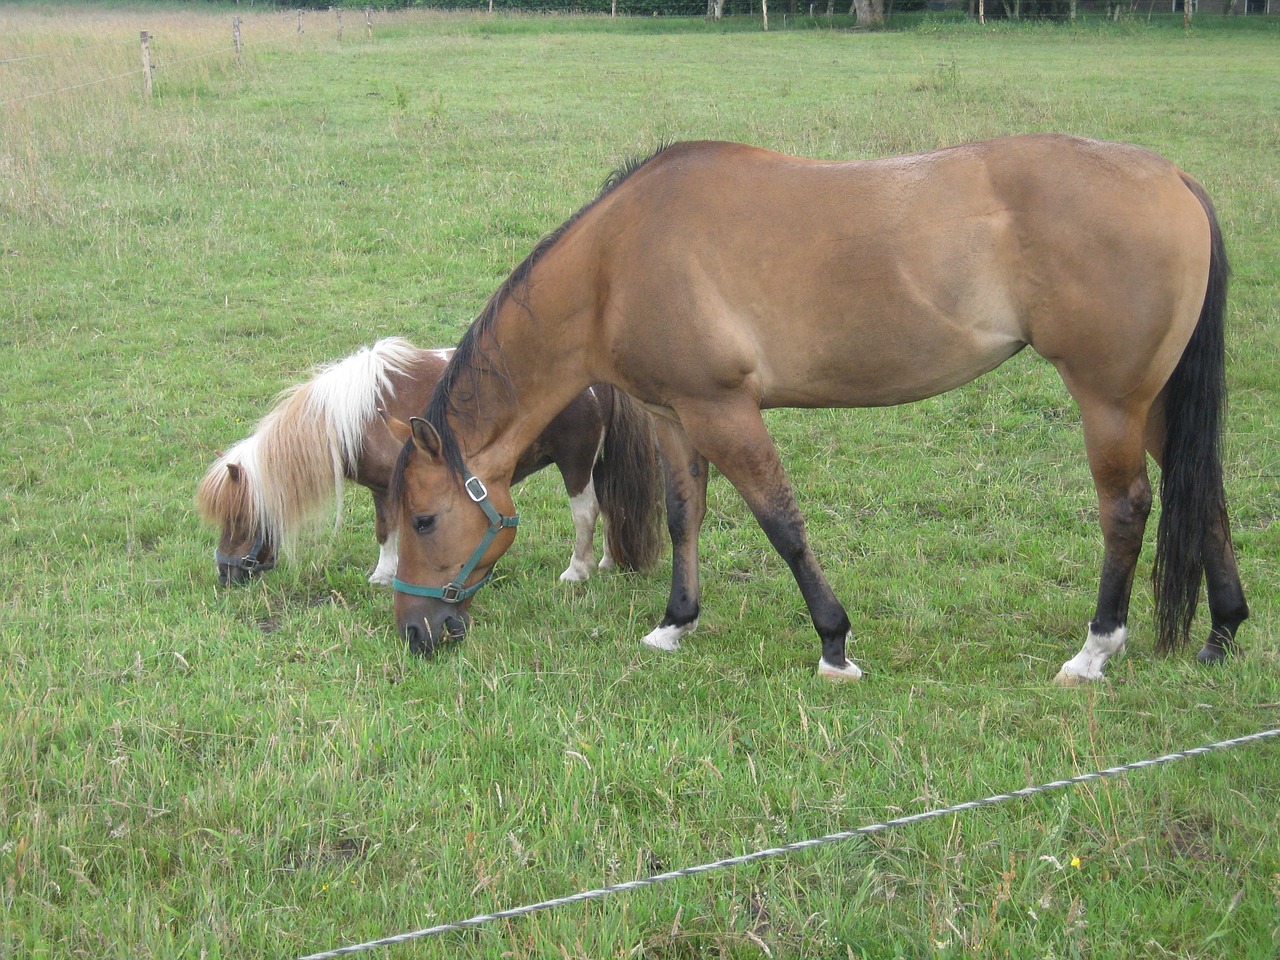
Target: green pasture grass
{"x": 191, "y": 772}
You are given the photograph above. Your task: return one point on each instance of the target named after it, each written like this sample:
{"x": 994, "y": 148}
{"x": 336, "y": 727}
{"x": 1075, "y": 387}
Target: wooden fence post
{"x": 368, "y": 20}
{"x": 298, "y": 35}
{"x": 235, "y": 33}
{"x": 339, "y": 12}
{"x": 764, "y": 10}
{"x": 146, "y": 64}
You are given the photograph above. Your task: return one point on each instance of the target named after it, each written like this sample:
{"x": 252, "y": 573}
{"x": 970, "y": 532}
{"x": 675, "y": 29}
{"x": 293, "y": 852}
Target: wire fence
{"x": 103, "y": 57}
{"x": 601, "y": 892}
{"x": 175, "y": 46}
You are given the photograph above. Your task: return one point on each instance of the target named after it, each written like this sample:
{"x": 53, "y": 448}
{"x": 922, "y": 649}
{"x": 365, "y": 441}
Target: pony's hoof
{"x": 1065, "y": 679}
{"x": 830, "y": 671}
{"x": 575, "y": 574}
{"x": 381, "y": 579}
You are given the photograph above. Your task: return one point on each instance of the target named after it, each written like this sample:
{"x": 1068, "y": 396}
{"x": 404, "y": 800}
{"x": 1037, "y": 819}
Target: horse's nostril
{"x": 419, "y": 638}
{"x": 455, "y": 627}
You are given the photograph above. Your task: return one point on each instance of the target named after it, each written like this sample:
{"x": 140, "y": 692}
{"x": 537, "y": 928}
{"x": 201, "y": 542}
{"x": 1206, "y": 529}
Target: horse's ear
{"x": 397, "y": 428}
{"x": 425, "y": 438}
{"x": 236, "y": 471}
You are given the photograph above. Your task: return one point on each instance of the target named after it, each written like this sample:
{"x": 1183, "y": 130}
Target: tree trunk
{"x": 870, "y": 13}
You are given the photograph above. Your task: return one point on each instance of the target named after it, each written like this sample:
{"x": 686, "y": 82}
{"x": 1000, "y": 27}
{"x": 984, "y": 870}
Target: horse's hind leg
{"x": 1117, "y": 460}
{"x": 685, "y": 470}
{"x": 1227, "y": 606}
{"x": 738, "y": 443}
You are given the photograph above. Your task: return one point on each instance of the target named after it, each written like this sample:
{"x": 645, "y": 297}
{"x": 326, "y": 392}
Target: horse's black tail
{"x": 1191, "y": 494}
{"x": 628, "y": 482}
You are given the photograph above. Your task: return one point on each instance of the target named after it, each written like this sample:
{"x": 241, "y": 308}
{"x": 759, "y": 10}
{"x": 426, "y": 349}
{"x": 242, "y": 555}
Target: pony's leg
{"x": 1117, "y": 460}
{"x": 585, "y": 509}
{"x": 388, "y": 539}
{"x": 1227, "y": 606}
{"x": 607, "y": 562}
{"x": 738, "y": 443}
{"x": 686, "y": 478}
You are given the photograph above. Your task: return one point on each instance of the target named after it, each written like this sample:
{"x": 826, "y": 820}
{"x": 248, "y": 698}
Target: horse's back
{"x": 816, "y": 283}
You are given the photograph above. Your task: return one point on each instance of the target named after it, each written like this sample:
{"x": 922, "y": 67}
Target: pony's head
{"x": 226, "y": 499}
{"x": 453, "y": 528}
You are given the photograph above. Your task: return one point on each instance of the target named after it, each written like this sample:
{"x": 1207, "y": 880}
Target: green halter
{"x": 456, "y": 591}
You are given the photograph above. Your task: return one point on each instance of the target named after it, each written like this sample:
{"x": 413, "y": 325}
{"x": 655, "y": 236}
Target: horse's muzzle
{"x": 423, "y": 638}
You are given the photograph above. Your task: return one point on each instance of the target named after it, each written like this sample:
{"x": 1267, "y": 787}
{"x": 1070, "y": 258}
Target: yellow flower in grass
{"x": 1075, "y": 862}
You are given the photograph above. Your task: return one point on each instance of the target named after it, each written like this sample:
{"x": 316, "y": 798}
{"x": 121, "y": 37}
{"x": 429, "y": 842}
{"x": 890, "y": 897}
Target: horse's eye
{"x": 424, "y": 524}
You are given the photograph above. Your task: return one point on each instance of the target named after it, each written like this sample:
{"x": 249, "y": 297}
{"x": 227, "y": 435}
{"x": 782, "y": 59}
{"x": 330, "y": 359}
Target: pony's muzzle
{"x": 231, "y": 574}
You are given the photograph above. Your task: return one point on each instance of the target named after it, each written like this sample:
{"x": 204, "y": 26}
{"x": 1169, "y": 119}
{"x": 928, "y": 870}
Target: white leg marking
{"x": 584, "y": 510}
{"x": 388, "y": 561}
{"x": 849, "y": 671}
{"x": 606, "y": 560}
{"x": 668, "y": 638}
{"x": 1093, "y": 656}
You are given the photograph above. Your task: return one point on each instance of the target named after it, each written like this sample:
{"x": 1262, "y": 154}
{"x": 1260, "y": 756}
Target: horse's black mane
{"x": 474, "y": 357}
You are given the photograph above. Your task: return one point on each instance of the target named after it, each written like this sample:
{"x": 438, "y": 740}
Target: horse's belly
{"x": 884, "y": 364}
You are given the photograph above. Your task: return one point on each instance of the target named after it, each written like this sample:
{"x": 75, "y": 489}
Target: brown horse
{"x": 327, "y": 430}
{"x": 715, "y": 279}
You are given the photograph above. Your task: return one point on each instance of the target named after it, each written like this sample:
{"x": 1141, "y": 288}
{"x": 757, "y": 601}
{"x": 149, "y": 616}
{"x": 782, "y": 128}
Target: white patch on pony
{"x": 606, "y": 559}
{"x": 444, "y": 353}
{"x": 585, "y": 510}
{"x": 388, "y": 560}
{"x": 668, "y": 638}
{"x": 1093, "y": 656}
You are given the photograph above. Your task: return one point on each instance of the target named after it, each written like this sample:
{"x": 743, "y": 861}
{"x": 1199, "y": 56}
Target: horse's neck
{"x": 544, "y": 360}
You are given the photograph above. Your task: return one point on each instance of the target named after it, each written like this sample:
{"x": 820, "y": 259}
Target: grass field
{"x": 192, "y": 772}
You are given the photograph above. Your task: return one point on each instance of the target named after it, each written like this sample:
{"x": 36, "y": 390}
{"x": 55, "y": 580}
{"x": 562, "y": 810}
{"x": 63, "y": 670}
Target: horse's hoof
{"x": 668, "y": 637}
{"x": 576, "y": 573}
{"x": 830, "y": 671}
{"x": 1211, "y": 655}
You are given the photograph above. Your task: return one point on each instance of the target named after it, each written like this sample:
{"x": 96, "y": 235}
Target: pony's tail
{"x": 628, "y": 483}
{"x": 1191, "y": 493}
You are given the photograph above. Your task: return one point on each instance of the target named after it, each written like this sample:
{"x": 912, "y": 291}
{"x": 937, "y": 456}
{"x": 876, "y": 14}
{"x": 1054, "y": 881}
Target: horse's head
{"x": 226, "y": 500}
{"x": 453, "y": 528}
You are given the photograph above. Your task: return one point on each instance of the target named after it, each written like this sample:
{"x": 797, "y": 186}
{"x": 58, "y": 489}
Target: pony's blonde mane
{"x": 297, "y": 458}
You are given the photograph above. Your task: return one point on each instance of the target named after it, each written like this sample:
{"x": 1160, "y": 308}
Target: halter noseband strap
{"x": 456, "y": 590}
{"x": 249, "y": 563}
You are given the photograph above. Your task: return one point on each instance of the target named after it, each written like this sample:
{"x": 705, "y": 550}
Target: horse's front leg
{"x": 388, "y": 538}
{"x": 685, "y": 470}
{"x": 736, "y": 440}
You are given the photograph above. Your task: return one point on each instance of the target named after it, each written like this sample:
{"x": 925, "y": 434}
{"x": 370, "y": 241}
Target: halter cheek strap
{"x": 456, "y": 590}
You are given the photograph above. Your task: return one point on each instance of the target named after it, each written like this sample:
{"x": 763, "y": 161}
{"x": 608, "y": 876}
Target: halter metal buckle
{"x": 476, "y": 489}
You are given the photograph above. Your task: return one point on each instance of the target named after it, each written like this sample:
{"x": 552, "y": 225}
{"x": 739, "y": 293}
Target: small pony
{"x": 264, "y": 489}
